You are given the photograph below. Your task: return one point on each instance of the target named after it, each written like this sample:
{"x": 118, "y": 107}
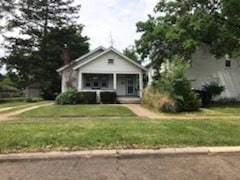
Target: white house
{"x": 205, "y": 68}
{"x": 104, "y": 70}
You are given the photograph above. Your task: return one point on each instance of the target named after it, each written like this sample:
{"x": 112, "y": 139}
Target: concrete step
{"x": 128, "y": 100}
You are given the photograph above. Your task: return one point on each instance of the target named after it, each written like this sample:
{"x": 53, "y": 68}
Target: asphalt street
{"x": 156, "y": 167}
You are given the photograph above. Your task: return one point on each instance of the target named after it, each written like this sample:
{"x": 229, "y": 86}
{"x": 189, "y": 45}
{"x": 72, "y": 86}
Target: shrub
{"x": 67, "y": 97}
{"x": 173, "y": 81}
{"x": 158, "y": 100}
{"x": 34, "y": 99}
{"x": 214, "y": 88}
{"x": 108, "y": 97}
{"x": 86, "y": 98}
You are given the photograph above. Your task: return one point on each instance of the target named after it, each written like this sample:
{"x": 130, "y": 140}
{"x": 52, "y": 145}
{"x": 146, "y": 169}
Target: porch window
{"x": 96, "y": 81}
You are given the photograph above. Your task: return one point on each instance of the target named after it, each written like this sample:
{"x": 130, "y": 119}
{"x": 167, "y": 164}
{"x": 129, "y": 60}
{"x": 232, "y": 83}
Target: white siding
{"x": 101, "y": 65}
{"x": 206, "y": 68}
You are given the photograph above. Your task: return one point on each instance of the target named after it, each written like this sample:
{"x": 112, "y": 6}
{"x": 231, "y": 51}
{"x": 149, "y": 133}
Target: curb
{"x": 128, "y": 153}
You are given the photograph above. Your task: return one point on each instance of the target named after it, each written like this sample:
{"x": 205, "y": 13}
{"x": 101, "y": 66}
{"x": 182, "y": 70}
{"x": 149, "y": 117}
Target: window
{"x": 95, "y": 85}
{"x": 96, "y": 81}
{"x": 88, "y": 84}
{"x": 110, "y": 61}
{"x": 104, "y": 84}
{"x": 228, "y": 63}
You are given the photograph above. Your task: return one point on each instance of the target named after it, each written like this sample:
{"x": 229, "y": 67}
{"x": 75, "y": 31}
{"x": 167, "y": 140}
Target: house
{"x": 104, "y": 70}
{"x": 206, "y": 68}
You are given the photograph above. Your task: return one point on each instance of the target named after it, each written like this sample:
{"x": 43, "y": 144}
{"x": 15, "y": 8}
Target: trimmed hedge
{"x": 108, "y": 97}
{"x": 86, "y": 97}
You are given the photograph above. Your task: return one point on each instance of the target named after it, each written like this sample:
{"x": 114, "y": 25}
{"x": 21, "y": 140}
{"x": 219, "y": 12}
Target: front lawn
{"x": 45, "y": 135}
{"x": 213, "y": 111}
{"x": 79, "y": 111}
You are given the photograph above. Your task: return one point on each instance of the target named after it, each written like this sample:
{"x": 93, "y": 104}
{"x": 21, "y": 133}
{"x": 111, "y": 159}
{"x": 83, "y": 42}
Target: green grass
{"x": 78, "y": 111}
{"x": 11, "y": 104}
{"x": 42, "y": 135}
{"x": 10, "y": 107}
{"x": 220, "y": 110}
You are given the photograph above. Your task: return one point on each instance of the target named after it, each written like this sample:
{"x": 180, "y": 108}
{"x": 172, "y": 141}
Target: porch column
{"x": 140, "y": 84}
{"x": 79, "y": 80}
{"x": 115, "y": 81}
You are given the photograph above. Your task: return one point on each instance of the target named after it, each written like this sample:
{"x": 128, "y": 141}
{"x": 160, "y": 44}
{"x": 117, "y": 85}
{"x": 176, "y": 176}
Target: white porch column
{"x": 115, "y": 81}
{"x": 79, "y": 80}
{"x": 140, "y": 84}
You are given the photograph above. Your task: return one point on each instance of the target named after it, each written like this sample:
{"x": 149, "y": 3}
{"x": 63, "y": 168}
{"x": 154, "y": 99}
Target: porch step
{"x": 128, "y": 100}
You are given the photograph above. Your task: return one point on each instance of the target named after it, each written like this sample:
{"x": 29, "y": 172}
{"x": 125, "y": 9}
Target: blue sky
{"x": 112, "y": 18}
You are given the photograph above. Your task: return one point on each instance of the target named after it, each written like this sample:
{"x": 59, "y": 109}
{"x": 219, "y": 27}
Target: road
{"x": 162, "y": 167}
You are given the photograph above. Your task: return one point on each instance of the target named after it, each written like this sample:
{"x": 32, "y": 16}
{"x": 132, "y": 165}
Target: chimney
{"x": 65, "y": 57}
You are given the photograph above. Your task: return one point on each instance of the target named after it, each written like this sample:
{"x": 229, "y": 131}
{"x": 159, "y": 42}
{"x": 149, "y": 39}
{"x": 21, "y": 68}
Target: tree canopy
{"x": 44, "y": 28}
{"x": 179, "y": 27}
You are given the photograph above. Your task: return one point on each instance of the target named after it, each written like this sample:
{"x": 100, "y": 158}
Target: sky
{"x": 114, "y": 20}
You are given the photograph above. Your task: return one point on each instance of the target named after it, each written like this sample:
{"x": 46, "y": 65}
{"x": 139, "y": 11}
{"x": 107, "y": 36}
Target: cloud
{"x": 110, "y": 3}
{"x": 150, "y": 4}
{"x": 118, "y": 16}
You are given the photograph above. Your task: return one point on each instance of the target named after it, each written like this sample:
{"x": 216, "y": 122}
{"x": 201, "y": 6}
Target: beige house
{"x": 104, "y": 70}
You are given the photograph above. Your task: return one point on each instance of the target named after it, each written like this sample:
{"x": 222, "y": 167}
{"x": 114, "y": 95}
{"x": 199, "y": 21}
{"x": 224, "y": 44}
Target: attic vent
{"x": 110, "y": 61}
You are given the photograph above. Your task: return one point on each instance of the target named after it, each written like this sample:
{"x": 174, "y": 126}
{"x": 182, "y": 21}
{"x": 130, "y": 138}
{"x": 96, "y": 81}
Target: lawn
{"x": 213, "y": 111}
{"x": 14, "y": 106}
{"x": 79, "y": 111}
{"x": 11, "y": 104}
{"x": 42, "y": 135}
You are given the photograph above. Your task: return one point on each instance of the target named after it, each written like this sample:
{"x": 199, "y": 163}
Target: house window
{"x": 95, "y": 85}
{"x": 88, "y": 84}
{"x": 110, "y": 61}
{"x": 96, "y": 81}
{"x": 228, "y": 63}
{"x": 104, "y": 84}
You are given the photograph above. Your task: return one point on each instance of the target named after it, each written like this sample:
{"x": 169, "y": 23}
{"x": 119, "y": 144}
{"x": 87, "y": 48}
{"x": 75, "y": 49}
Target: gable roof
{"x": 111, "y": 49}
{"x": 81, "y": 58}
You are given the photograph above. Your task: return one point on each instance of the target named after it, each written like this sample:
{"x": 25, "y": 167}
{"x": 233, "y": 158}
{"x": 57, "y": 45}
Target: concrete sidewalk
{"x": 129, "y": 153}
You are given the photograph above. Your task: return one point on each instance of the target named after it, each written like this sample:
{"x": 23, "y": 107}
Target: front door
{"x": 130, "y": 86}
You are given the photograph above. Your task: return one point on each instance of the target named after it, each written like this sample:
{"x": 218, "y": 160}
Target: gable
{"x": 110, "y": 62}
{"x": 82, "y": 59}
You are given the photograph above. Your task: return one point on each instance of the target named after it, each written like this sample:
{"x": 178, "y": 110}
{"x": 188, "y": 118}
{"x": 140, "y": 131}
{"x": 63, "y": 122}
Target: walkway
{"x": 141, "y": 111}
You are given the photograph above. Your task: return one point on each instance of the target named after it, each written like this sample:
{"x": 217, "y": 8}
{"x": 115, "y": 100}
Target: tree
{"x": 179, "y": 27}
{"x": 174, "y": 82}
{"x": 131, "y": 53}
{"x": 6, "y": 7}
{"x": 44, "y": 27}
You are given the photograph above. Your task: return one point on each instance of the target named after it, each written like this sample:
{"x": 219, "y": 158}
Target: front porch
{"x": 125, "y": 85}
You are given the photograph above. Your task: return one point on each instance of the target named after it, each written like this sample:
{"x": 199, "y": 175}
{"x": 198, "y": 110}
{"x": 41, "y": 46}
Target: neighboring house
{"x": 104, "y": 70}
{"x": 205, "y": 68}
